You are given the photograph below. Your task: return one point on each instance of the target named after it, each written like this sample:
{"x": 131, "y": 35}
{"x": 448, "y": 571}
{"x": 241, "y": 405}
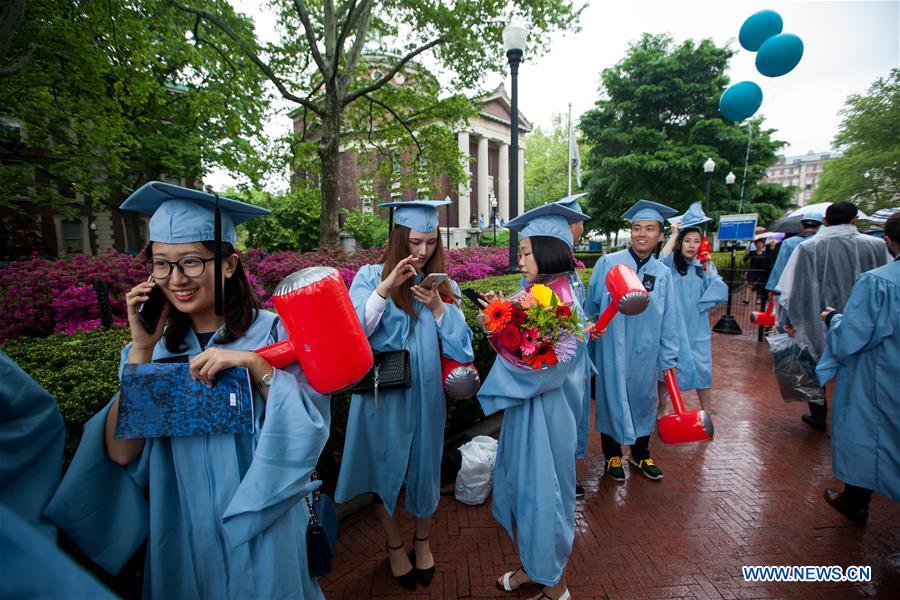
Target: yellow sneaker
{"x": 614, "y": 468}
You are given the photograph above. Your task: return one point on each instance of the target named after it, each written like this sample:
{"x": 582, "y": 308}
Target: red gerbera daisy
{"x": 543, "y": 355}
{"x": 497, "y": 315}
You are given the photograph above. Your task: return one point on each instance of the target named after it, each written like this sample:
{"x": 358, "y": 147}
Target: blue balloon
{"x": 758, "y": 28}
{"x": 740, "y": 101}
{"x": 779, "y": 55}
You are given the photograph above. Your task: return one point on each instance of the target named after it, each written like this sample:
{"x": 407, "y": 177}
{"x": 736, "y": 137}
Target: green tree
{"x": 656, "y": 123}
{"x": 869, "y": 171}
{"x": 546, "y": 171}
{"x": 293, "y": 224}
{"x": 319, "y": 66}
{"x": 115, "y": 93}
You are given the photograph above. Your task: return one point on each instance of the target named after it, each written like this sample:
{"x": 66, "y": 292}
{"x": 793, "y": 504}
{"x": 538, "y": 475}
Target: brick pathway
{"x": 751, "y": 497}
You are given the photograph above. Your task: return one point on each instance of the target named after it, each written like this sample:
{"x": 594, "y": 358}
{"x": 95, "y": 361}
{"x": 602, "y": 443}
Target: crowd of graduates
{"x": 224, "y": 515}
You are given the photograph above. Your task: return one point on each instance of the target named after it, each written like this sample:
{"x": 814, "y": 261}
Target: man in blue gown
{"x": 635, "y": 349}
{"x": 808, "y": 228}
{"x": 577, "y": 228}
{"x": 863, "y": 351}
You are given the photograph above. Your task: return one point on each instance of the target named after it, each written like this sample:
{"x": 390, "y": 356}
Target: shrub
{"x": 368, "y": 229}
{"x": 80, "y": 371}
{"x": 293, "y": 224}
{"x": 39, "y": 297}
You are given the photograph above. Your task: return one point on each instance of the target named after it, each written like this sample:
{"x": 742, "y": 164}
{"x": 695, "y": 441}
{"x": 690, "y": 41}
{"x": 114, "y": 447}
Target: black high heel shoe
{"x": 408, "y": 579}
{"x": 424, "y": 575}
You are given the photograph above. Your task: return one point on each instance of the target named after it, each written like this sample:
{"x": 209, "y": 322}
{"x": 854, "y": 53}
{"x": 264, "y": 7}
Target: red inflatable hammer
{"x": 767, "y": 318}
{"x": 628, "y": 295}
{"x": 683, "y": 427}
{"x": 324, "y": 332}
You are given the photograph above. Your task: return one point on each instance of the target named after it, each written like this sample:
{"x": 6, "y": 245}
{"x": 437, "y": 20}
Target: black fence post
{"x": 102, "y": 291}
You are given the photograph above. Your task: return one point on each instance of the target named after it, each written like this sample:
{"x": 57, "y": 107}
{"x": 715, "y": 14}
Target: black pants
{"x": 640, "y": 450}
{"x": 819, "y": 411}
{"x": 858, "y": 497}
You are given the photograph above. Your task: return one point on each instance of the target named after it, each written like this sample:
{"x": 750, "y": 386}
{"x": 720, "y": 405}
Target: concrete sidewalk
{"x": 751, "y": 497}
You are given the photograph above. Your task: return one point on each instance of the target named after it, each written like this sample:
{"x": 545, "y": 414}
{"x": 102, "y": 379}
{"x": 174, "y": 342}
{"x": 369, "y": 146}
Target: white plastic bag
{"x": 473, "y": 482}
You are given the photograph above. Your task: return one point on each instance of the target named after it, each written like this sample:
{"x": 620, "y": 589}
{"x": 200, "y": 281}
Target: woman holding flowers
{"x": 538, "y": 381}
{"x": 395, "y": 439}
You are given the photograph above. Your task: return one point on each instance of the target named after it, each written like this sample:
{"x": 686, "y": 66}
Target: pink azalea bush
{"x": 40, "y": 297}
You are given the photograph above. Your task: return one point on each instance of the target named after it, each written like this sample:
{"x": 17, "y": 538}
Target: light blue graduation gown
{"x": 33, "y": 567}
{"x": 226, "y": 516}
{"x": 32, "y": 435}
{"x": 400, "y": 443}
{"x": 634, "y": 350}
{"x": 696, "y": 292}
{"x": 583, "y": 418}
{"x": 534, "y": 472}
{"x": 781, "y": 261}
{"x": 863, "y": 351}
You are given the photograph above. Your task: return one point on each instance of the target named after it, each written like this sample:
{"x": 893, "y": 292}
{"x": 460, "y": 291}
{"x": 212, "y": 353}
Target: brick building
{"x": 802, "y": 172}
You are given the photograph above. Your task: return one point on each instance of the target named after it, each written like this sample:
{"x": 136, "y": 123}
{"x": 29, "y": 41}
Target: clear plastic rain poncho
{"x": 820, "y": 273}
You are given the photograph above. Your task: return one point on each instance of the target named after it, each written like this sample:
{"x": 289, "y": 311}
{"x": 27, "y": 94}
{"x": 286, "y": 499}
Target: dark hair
{"x": 892, "y": 228}
{"x": 397, "y": 249}
{"x": 552, "y": 255}
{"x": 681, "y": 264}
{"x": 241, "y": 305}
{"x": 840, "y": 213}
{"x": 810, "y": 223}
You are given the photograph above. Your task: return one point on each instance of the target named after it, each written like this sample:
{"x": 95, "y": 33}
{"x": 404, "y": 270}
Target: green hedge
{"x": 80, "y": 370}
{"x": 588, "y": 258}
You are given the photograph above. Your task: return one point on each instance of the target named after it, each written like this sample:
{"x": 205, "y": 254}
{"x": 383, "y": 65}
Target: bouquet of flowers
{"x": 533, "y": 328}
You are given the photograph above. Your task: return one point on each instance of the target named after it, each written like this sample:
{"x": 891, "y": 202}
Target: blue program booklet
{"x": 162, "y": 400}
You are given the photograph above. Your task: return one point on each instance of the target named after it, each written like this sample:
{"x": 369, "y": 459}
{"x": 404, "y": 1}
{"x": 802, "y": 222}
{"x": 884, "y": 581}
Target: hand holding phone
{"x": 476, "y": 298}
{"x": 432, "y": 280}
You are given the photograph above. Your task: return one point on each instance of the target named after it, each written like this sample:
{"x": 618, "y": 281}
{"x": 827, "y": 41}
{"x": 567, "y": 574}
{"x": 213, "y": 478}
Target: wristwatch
{"x": 265, "y": 381}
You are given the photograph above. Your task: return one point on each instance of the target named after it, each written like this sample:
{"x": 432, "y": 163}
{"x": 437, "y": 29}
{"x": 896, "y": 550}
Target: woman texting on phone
{"x": 395, "y": 436}
{"x": 225, "y": 515}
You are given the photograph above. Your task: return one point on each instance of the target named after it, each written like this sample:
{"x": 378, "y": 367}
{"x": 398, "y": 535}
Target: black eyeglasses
{"x": 190, "y": 266}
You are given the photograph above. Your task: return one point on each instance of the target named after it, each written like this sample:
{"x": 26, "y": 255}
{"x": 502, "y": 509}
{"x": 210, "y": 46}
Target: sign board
{"x": 737, "y": 227}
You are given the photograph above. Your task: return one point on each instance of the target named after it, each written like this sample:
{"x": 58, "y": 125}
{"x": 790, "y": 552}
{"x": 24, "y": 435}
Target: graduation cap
{"x": 571, "y": 202}
{"x": 551, "y": 220}
{"x": 421, "y": 215}
{"x": 183, "y": 216}
{"x": 645, "y": 210}
{"x": 693, "y": 217}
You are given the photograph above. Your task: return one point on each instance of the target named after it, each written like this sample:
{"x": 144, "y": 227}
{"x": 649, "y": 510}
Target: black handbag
{"x": 321, "y": 534}
{"x": 389, "y": 370}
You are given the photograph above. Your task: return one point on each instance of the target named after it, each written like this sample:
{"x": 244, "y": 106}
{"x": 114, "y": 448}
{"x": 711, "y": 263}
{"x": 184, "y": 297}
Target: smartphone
{"x": 432, "y": 280}
{"x": 474, "y": 296}
{"x": 151, "y": 310}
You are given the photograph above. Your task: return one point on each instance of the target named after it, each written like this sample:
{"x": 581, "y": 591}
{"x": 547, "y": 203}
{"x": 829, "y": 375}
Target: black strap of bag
{"x": 321, "y": 533}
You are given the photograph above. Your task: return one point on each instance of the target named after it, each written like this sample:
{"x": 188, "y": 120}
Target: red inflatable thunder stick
{"x": 683, "y": 427}
{"x": 324, "y": 332}
{"x": 704, "y": 254}
{"x": 628, "y": 295}
{"x": 767, "y": 318}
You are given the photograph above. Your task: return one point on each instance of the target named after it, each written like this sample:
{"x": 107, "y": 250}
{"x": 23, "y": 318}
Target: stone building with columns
{"x": 485, "y": 141}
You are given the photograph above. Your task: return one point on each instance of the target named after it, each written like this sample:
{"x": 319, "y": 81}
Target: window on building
{"x": 72, "y": 235}
{"x": 135, "y": 240}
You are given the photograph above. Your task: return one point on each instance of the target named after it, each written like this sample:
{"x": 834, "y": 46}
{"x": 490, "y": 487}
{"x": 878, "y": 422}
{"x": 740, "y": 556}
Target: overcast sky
{"x": 847, "y": 45}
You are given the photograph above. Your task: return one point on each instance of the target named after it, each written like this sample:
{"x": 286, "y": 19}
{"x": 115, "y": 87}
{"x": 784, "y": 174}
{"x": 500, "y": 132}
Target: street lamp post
{"x": 514, "y": 37}
{"x": 494, "y": 217}
{"x": 728, "y": 324}
{"x": 708, "y": 167}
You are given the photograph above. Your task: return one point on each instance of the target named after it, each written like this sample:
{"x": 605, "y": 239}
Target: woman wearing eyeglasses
{"x": 223, "y": 515}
